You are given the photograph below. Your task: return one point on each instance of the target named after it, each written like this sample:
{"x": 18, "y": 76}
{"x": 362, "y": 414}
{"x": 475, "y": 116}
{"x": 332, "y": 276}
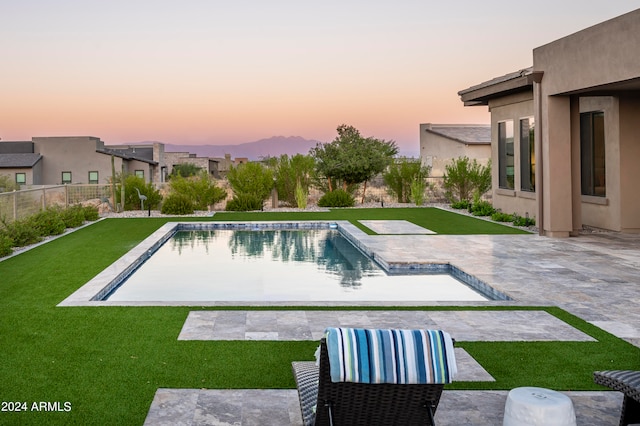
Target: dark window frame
{"x": 527, "y": 155}
{"x": 592, "y": 154}
{"x": 506, "y": 158}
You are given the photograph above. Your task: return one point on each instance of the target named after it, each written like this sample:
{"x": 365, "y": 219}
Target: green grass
{"x": 437, "y": 220}
{"x": 109, "y": 361}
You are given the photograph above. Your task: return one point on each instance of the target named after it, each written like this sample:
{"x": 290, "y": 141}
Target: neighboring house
{"x": 86, "y": 159}
{"x": 440, "y": 144}
{"x": 566, "y": 132}
{"x": 18, "y": 161}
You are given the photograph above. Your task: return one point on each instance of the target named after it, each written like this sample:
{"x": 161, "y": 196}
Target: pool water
{"x": 276, "y": 265}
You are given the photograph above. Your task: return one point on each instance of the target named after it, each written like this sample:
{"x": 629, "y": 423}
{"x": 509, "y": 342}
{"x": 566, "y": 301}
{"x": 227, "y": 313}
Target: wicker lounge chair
{"x": 627, "y": 382}
{"x": 324, "y": 402}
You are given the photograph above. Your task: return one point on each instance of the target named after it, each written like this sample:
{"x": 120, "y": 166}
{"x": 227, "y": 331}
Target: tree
{"x": 463, "y": 178}
{"x": 352, "y": 159}
{"x": 404, "y": 173}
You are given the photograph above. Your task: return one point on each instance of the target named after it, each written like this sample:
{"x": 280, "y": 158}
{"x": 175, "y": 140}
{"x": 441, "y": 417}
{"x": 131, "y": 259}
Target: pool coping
{"x": 96, "y": 289}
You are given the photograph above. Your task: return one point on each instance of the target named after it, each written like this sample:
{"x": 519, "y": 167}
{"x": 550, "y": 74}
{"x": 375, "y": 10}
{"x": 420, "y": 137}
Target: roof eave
{"x": 482, "y": 93}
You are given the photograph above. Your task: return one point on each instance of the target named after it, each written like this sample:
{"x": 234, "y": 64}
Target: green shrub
{"x": 244, "y": 203}
{"x": 501, "y": 217}
{"x": 23, "y": 232}
{"x": 185, "y": 170}
{"x": 200, "y": 190}
{"x": 177, "y": 203}
{"x": 73, "y": 216}
{"x": 401, "y": 176}
{"x": 337, "y": 198}
{"x": 48, "y": 222}
{"x": 481, "y": 208}
{"x": 523, "y": 221}
{"x": 91, "y": 213}
{"x": 251, "y": 179}
{"x": 461, "y": 205}
{"x": 464, "y": 177}
{"x": 131, "y": 199}
{"x": 6, "y": 244}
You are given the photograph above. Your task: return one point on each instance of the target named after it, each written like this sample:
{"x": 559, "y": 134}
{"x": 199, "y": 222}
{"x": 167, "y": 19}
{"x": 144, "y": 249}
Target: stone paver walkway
{"x": 469, "y": 326}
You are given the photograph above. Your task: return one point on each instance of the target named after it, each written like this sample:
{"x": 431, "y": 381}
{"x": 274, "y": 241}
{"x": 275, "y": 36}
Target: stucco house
{"x": 440, "y": 144}
{"x": 69, "y": 160}
{"x": 87, "y": 160}
{"x": 565, "y": 133}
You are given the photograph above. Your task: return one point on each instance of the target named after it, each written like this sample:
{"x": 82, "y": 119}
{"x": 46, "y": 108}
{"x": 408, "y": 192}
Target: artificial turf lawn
{"x": 108, "y": 362}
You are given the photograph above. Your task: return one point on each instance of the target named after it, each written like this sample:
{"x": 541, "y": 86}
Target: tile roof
{"x": 480, "y": 134}
{"x": 15, "y": 161}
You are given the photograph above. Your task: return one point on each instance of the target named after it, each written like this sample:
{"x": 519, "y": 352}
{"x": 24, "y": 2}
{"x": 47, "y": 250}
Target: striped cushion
{"x": 390, "y": 356}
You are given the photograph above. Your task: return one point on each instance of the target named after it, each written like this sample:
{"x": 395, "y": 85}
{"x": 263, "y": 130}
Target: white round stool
{"x": 530, "y": 406}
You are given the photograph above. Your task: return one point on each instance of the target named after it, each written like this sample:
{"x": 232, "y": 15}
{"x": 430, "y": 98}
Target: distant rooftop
{"x": 464, "y": 133}
{"x": 17, "y": 161}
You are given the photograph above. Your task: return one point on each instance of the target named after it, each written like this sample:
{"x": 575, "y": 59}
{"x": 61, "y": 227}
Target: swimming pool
{"x": 272, "y": 263}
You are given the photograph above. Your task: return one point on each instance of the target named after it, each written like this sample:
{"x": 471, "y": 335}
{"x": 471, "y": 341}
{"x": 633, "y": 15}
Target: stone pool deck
{"x": 595, "y": 277}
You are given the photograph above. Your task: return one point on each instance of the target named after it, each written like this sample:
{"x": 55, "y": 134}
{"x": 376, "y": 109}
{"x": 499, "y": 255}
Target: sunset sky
{"x": 227, "y": 72}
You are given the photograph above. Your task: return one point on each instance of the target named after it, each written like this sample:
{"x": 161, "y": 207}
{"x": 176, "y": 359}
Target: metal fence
{"x": 20, "y": 204}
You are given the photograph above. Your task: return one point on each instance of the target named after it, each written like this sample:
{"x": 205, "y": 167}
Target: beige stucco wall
{"x": 604, "y": 212}
{"x": 592, "y": 57}
{"x": 575, "y": 69}
{"x": 437, "y": 151}
{"x": 513, "y": 107}
{"x": 74, "y": 154}
{"x": 629, "y": 164}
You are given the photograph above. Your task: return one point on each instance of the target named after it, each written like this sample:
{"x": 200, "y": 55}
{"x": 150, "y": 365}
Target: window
{"x": 93, "y": 177}
{"x": 66, "y": 177}
{"x": 592, "y": 161}
{"x": 505, "y": 155}
{"x": 527, "y": 155}
{"x": 21, "y": 178}
{"x": 139, "y": 173}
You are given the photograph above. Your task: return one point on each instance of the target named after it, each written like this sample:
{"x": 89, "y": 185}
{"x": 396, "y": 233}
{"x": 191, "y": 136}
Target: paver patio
{"x": 595, "y": 277}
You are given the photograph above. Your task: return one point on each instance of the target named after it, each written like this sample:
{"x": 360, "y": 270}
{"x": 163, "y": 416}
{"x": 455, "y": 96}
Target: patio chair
{"x": 375, "y": 377}
{"x": 627, "y": 382}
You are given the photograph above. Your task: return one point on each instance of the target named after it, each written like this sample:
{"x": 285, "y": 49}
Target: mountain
{"x": 273, "y": 146}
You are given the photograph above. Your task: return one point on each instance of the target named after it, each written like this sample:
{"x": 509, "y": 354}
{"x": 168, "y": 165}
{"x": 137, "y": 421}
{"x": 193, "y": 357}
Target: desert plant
{"x": 501, "y": 217}
{"x": 301, "y": 196}
{"x": 131, "y": 200}
{"x": 7, "y": 184}
{"x": 418, "y": 188}
{"x": 177, "y": 203}
{"x": 251, "y": 180}
{"x": 290, "y": 172}
{"x": 464, "y": 177}
{"x": 185, "y": 170}
{"x": 481, "y": 208}
{"x": 523, "y": 221}
{"x": 48, "y": 222}
{"x": 201, "y": 190}
{"x": 461, "y": 205}
{"x": 22, "y": 232}
{"x": 6, "y": 244}
{"x": 244, "y": 202}
{"x": 73, "y": 216}
{"x": 337, "y": 198}
{"x": 400, "y": 176}
{"x": 90, "y": 213}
